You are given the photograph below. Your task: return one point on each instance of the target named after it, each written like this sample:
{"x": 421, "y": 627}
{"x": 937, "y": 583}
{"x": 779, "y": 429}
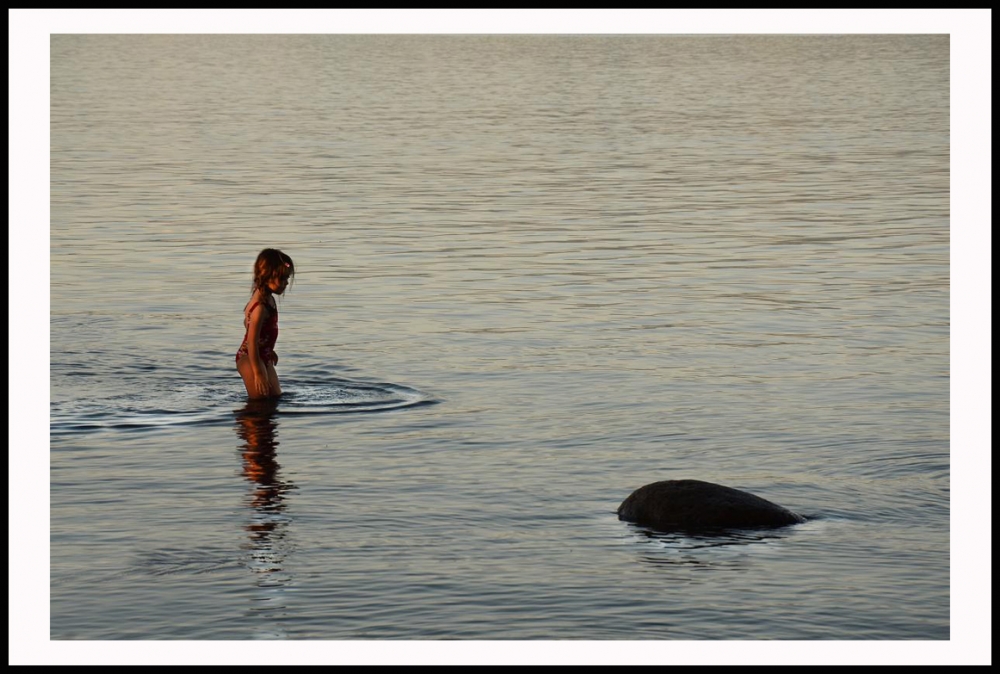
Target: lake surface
{"x": 534, "y": 273}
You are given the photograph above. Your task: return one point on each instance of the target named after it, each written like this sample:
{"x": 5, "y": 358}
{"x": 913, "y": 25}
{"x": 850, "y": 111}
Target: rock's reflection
{"x": 724, "y": 547}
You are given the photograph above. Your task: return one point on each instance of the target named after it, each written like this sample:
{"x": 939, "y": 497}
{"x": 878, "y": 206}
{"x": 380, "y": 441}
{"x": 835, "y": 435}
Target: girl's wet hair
{"x": 270, "y": 263}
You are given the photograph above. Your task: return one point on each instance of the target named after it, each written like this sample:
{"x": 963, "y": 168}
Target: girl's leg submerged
{"x": 272, "y": 377}
{"x": 246, "y": 371}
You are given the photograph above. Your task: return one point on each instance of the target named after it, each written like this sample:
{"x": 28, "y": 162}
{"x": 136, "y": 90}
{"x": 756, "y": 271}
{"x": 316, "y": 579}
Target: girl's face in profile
{"x": 277, "y": 283}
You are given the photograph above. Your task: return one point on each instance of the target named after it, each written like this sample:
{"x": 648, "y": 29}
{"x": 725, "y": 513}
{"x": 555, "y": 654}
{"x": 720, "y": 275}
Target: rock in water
{"x": 695, "y": 505}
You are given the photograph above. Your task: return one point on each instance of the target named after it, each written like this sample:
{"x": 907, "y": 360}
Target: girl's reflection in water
{"x": 257, "y": 429}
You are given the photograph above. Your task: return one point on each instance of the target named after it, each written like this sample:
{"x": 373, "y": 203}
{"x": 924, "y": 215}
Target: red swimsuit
{"x": 268, "y": 336}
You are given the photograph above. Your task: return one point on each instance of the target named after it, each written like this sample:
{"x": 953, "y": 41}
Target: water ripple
{"x": 191, "y": 404}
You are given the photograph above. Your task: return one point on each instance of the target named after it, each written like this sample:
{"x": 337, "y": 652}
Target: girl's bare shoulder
{"x": 252, "y": 303}
{"x": 257, "y": 304}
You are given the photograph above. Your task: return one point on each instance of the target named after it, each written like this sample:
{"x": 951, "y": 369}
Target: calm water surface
{"x": 534, "y": 274}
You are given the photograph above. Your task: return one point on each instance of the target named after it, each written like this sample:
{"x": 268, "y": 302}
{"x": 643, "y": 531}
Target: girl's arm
{"x": 261, "y": 381}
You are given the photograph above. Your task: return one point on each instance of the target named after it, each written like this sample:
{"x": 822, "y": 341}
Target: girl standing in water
{"x": 256, "y": 358}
